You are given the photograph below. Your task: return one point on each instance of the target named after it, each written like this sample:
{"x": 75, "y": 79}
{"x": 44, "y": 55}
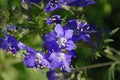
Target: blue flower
{"x": 29, "y": 60}
{"x": 81, "y": 3}
{"x": 51, "y": 75}
{"x": 35, "y": 59}
{"x": 10, "y": 29}
{"x": 10, "y": 44}
{"x": 81, "y": 31}
{"x": 59, "y": 59}
{"x": 59, "y": 39}
{"x": 54, "y": 4}
{"x": 31, "y": 1}
{"x": 54, "y": 19}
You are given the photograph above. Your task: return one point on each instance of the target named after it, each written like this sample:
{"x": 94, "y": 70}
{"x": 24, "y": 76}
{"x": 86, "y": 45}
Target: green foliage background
{"x": 105, "y": 15}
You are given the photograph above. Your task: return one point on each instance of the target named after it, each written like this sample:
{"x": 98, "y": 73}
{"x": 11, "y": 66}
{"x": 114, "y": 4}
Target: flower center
{"x": 61, "y": 57}
{"x": 39, "y": 57}
{"x": 61, "y": 41}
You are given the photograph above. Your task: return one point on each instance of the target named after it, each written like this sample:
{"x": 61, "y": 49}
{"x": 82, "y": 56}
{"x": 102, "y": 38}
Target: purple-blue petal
{"x": 70, "y": 45}
{"x": 73, "y": 53}
{"x": 31, "y": 1}
{"x": 72, "y": 24}
{"x": 54, "y": 19}
{"x": 81, "y": 3}
{"x": 68, "y": 34}
{"x": 29, "y": 60}
{"x": 51, "y": 75}
{"x": 66, "y": 66}
{"x": 59, "y": 30}
{"x": 50, "y": 37}
{"x": 85, "y": 37}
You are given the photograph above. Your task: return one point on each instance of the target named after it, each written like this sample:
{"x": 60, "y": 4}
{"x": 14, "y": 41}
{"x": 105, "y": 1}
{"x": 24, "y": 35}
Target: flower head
{"x": 81, "y": 31}
{"x": 10, "y": 44}
{"x": 59, "y": 59}
{"x": 54, "y": 4}
{"x": 59, "y": 39}
{"x": 9, "y": 30}
{"x": 35, "y": 59}
{"x": 54, "y": 19}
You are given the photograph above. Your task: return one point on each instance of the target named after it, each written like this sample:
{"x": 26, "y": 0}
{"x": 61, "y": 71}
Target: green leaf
{"x": 108, "y": 51}
{"x": 25, "y": 6}
{"x": 97, "y": 55}
{"x": 108, "y": 40}
{"x": 114, "y": 31}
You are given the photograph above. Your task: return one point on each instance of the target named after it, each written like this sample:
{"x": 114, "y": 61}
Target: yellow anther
{"x": 36, "y": 60}
{"x": 53, "y": 19}
{"x": 14, "y": 55}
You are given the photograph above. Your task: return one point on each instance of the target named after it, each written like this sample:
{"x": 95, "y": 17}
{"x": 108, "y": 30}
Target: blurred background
{"x": 105, "y": 14}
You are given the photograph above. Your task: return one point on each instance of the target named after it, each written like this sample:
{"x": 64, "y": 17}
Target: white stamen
{"x": 81, "y": 29}
{"x": 61, "y": 57}
{"x": 61, "y": 41}
{"x": 88, "y": 28}
{"x": 39, "y": 56}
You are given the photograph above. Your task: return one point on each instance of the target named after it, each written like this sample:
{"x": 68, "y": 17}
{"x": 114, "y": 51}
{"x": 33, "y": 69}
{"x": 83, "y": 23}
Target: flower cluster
{"x": 59, "y": 45}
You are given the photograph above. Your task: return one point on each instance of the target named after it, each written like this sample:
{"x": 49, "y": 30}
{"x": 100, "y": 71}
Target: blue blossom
{"x": 81, "y": 31}
{"x": 31, "y": 1}
{"x": 10, "y": 44}
{"x": 51, "y": 75}
{"x": 10, "y": 29}
{"x": 54, "y": 19}
{"x": 54, "y": 4}
{"x": 35, "y": 59}
{"x": 81, "y": 3}
{"x": 59, "y": 39}
{"x": 59, "y": 59}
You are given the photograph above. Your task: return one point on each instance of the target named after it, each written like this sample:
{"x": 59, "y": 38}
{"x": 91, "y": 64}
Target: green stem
{"x": 96, "y": 66}
{"x": 114, "y": 50}
{"x": 109, "y": 56}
